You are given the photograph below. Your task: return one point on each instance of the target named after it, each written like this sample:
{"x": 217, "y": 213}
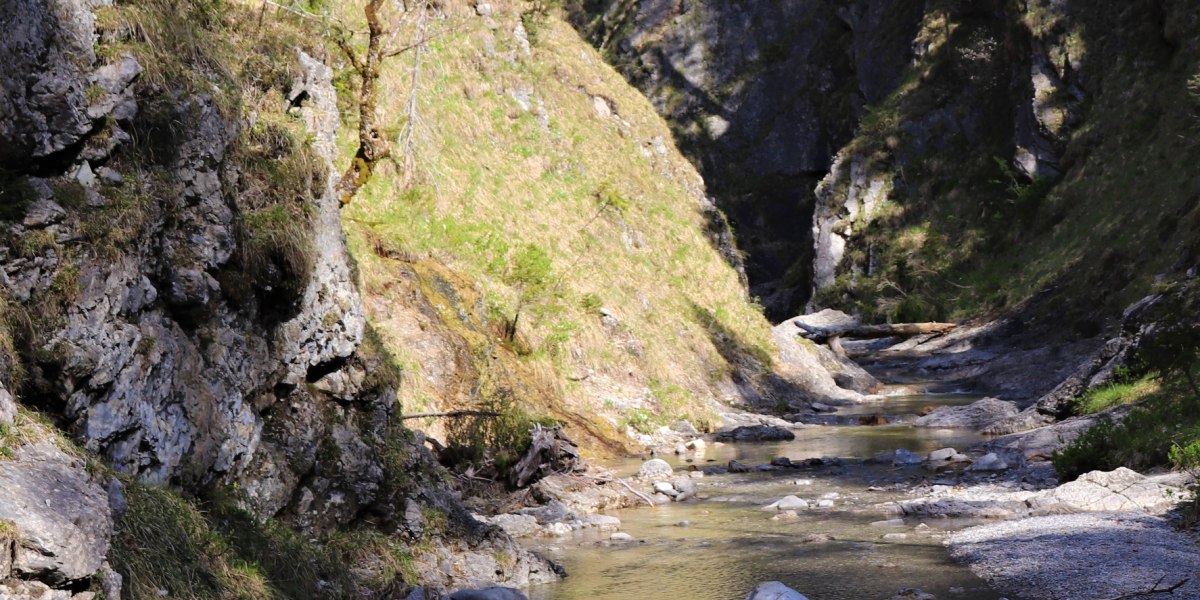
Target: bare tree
{"x": 390, "y": 32}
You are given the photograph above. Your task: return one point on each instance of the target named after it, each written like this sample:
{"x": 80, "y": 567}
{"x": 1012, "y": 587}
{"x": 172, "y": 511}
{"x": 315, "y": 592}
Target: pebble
{"x": 825, "y": 504}
{"x": 621, "y": 536}
{"x": 891, "y": 537}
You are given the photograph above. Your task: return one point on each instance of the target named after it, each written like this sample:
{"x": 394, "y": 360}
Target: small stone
{"x": 84, "y": 175}
{"x": 892, "y": 537}
{"x": 941, "y": 455}
{"x": 558, "y": 529}
{"x": 787, "y": 503}
{"x": 697, "y": 444}
{"x": 109, "y": 176}
{"x": 786, "y": 515}
{"x": 696, "y": 474}
{"x": 781, "y": 461}
{"x": 621, "y": 536}
{"x": 684, "y": 524}
{"x": 484, "y": 9}
{"x": 825, "y": 504}
{"x": 666, "y": 489}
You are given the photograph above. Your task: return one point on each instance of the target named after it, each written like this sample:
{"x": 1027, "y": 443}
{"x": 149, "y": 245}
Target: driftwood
{"x": 821, "y": 334}
{"x": 452, "y": 413}
{"x": 551, "y": 451}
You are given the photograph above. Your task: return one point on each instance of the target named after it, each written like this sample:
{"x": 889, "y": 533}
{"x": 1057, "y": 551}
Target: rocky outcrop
{"x": 975, "y": 415}
{"x": 165, "y": 345}
{"x": 59, "y": 512}
{"x": 761, "y": 96}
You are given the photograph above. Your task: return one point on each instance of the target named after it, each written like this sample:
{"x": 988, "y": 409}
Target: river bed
{"x": 721, "y": 546}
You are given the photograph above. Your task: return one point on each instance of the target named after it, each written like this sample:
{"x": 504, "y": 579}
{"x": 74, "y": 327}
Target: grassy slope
{"x": 619, "y": 221}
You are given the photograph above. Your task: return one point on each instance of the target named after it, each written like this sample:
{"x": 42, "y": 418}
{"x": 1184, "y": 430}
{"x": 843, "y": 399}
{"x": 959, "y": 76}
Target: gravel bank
{"x": 1083, "y": 556}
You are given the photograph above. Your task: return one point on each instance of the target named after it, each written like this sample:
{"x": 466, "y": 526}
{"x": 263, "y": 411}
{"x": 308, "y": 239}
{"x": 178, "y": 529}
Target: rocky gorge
{"x": 550, "y": 348}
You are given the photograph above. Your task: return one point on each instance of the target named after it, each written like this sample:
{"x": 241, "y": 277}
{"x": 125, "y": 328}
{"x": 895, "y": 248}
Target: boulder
{"x": 988, "y": 462}
{"x": 757, "y": 433}
{"x": 898, "y": 457}
{"x": 602, "y": 522}
{"x": 684, "y": 485}
{"x": 976, "y": 415}
{"x": 666, "y": 489}
{"x": 942, "y": 455}
{"x": 517, "y": 526}
{"x": 655, "y": 468}
{"x": 774, "y": 590}
{"x": 1119, "y": 490}
{"x": 61, "y": 514}
{"x": 787, "y": 503}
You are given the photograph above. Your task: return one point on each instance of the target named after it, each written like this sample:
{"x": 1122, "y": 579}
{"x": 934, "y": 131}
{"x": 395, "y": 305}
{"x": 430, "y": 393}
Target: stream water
{"x": 720, "y": 547}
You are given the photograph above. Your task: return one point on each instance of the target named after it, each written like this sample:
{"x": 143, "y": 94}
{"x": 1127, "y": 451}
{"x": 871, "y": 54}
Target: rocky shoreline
{"x": 1105, "y": 535}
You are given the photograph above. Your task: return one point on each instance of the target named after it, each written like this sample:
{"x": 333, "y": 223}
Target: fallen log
{"x": 819, "y": 334}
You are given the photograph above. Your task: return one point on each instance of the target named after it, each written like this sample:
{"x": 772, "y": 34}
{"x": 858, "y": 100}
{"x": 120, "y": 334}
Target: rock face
{"x": 761, "y": 96}
{"x": 1119, "y": 490}
{"x": 976, "y": 415}
{"x": 61, "y": 515}
{"x": 181, "y": 357}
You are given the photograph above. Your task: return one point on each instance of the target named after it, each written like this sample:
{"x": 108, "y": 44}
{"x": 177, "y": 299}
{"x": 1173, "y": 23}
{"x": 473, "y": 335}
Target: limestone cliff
{"x": 946, "y": 159}
{"x": 179, "y": 299}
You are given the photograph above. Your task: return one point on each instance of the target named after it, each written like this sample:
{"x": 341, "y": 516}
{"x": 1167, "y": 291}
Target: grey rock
{"x": 757, "y": 433}
{"x": 602, "y": 522}
{"x": 61, "y": 513}
{"x": 655, "y": 468}
{"x": 685, "y": 485}
{"x": 665, "y": 489}
{"x": 788, "y": 503}
{"x": 988, "y": 462}
{"x": 894, "y": 537}
{"x": 898, "y": 457}
{"x": 684, "y": 427}
{"x": 109, "y": 176}
{"x": 1119, "y": 490}
{"x": 621, "y": 536}
{"x": 43, "y": 212}
{"x": 944, "y": 454}
{"x": 774, "y": 590}
{"x": 976, "y": 415}
{"x": 8, "y": 408}
{"x": 484, "y": 9}
{"x": 517, "y": 526}
{"x": 31, "y": 590}
{"x": 825, "y": 504}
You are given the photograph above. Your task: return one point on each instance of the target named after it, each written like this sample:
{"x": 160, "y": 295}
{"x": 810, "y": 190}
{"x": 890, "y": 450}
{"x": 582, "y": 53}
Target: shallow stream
{"x": 720, "y": 547}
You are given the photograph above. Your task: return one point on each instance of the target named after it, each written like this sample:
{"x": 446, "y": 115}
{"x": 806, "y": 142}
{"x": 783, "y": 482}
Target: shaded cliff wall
{"x": 951, "y": 158}
{"x": 760, "y": 96}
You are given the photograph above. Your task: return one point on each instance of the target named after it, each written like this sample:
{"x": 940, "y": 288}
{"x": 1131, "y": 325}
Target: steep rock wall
{"x": 761, "y": 97}
{"x": 180, "y": 300}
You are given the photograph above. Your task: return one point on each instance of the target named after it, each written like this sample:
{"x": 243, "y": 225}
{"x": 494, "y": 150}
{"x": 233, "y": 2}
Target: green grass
{"x": 547, "y": 215}
{"x": 1116, "y": 394}
{"x": 1168, "y": 417}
